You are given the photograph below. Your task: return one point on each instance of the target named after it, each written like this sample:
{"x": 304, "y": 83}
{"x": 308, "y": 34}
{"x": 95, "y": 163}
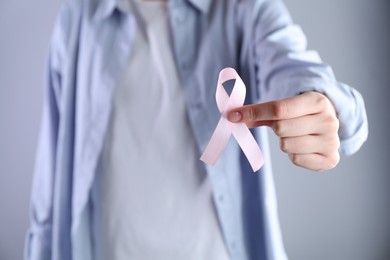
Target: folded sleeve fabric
{"x": 285, "y": 67}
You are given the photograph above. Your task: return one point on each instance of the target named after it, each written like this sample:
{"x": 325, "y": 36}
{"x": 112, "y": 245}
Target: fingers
{"x": 316, "y": 162}
{"x": 306, "y": 125}
{"x": 323, "y": 144}
{"x": 313, "y": 152}
{"x": 292, "y": 107}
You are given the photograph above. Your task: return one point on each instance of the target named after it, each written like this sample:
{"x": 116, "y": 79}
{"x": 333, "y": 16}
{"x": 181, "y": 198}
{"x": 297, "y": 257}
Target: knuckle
{"x": 322, "y": 101}
{"x": 334, "y": 143}
{"x": 278, "y": 128}
{"x": 332, "y": 123}
{"x": 337, "y": 143}
{"x": 296, "y": 160}
{"x": 336, "y": 124}
{"x": 284, "y": 145}
{"x": 333, "y": 160}
{"x": 280, "y": 109}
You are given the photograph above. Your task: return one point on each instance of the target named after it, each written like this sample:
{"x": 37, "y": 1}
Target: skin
{"x": 306, "y": 125}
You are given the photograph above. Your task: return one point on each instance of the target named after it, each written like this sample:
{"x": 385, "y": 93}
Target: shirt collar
{"x": 104, "y": 8}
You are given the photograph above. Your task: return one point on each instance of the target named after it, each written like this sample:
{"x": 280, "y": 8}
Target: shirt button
{"x": 220, "y": 198}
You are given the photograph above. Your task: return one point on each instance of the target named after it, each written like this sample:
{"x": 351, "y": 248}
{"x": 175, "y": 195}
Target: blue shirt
{"x": 89, "y": 49}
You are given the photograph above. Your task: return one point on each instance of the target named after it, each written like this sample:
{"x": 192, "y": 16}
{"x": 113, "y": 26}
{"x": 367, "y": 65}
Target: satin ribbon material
{"x": 225, "y": 128}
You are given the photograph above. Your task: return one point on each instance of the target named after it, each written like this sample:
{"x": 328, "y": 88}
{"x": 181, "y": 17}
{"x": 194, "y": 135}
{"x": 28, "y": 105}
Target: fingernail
{"x": 235, "y": 117}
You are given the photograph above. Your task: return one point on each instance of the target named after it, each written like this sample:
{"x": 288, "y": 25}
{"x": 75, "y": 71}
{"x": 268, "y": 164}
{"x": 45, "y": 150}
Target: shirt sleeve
{"x": 38, "y": 237}
{"x": 285, "y": 67}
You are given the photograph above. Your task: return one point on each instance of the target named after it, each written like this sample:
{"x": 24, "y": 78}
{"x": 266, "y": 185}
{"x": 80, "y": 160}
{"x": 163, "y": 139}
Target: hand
{"x": 307, "y": 125}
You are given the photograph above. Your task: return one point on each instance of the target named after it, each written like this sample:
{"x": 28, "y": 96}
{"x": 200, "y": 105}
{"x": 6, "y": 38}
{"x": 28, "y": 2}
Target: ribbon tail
{"x": 249, "y": 146}
{"x": 218, "y": 142}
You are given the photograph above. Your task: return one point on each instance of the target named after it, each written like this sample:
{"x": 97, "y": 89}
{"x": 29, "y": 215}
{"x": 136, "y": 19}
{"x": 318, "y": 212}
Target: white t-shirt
{"x": 153, "y": 200}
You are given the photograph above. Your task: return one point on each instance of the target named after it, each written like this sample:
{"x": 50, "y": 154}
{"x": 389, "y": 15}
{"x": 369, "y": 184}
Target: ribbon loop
{"x": 225, "y": 128}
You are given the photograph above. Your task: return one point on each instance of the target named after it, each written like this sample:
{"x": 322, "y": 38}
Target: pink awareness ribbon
{"x": 225, "y": 128}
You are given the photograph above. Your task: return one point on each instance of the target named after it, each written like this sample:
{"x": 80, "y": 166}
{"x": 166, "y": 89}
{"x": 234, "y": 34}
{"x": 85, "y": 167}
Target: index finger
{"x": 292, "y": 107}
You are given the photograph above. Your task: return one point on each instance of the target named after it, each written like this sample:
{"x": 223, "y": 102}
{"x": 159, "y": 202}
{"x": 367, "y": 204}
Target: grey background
{"x": 341, "y": 214}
